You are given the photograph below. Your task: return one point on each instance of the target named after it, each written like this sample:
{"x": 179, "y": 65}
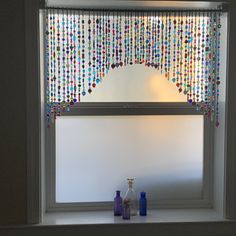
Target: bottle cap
{"x": 118, "y": 192}
{"x": 130, "y": 182}
{"x": 143, "y": 194}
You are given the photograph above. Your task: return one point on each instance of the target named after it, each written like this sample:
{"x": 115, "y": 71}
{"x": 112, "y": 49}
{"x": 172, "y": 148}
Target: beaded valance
{"x": 82, "y": 46}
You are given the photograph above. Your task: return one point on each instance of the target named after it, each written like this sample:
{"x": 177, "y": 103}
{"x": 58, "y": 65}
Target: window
{"x": 98, "y": 144}
{"x": 130, "y": 99}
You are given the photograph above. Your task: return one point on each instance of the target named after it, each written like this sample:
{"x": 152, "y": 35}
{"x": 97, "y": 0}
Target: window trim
{"x": 131, "y": 108}
{"x": 33, "y": 112}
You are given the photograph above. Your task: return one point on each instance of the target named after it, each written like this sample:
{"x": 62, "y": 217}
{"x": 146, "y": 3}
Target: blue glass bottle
{"x": 142, "y": 204}
{"x": 117, "y": 204}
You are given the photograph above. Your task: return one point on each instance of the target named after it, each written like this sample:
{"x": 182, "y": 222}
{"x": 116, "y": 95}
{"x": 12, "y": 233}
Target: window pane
{"x": 95, "y": 155}
{"x": 135, "y": 83}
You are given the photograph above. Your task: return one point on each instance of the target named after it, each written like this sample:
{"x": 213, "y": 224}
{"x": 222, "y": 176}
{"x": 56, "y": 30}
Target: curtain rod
{"x": 220, "y": 9}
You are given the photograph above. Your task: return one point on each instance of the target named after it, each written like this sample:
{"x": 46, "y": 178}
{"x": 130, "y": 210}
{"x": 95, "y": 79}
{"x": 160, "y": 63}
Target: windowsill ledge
{"x": 154, "y": 216}
{"x": 162, "y": 222}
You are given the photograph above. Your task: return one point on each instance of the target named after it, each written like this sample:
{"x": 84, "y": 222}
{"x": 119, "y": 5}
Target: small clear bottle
{"x": 131, "y": 197}
{"x": 126, "y": 210}
{"x": 117, "y": 204}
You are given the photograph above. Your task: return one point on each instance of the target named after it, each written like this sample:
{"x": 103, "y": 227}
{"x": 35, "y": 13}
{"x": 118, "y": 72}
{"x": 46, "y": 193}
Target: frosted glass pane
{"x": 95, "y": 155}
{"x": 135, "y": 83}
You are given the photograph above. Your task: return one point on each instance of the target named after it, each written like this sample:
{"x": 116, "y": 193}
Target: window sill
{"x": 166, "y": 222}
{"x": 154, "y": 216}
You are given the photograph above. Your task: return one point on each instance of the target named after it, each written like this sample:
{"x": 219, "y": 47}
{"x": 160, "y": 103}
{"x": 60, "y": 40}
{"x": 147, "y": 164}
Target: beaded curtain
{"x": 82, "y": 46}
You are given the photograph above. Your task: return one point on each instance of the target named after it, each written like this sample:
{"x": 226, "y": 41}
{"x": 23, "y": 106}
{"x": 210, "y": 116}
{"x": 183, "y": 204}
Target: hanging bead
{"x": 185, "y": 59}
{"x": 131, "y": 60}
{"x": 135, "y": 39}
{"x": 89, "y": 66}
{"x": 103, "y": 45}
{"x": 108, "y": 32}
{"x": 126, "y": 40}
{"x": 120, "y": 42}
{"x": 174, "y": 49}
{"x": 217, "y": 48}
{"x": 166, "y": 46}
{"x": 142, "y": 39}
{"x": 178, "y": 51}
{"x": 162, "y": 42}
{"x": 98, "y": 67}
{"x": 153, "y": 40}
{"x": 169, "y": 47}
{"x": 72, "y": 52}
{"x": 148, "y": 40}
{"x": 158, "y": 53}
{"x": 113, "y": 41}
{"x": 79, "y": 54}
{"x": 117, "y": 41}
{"x": 94, "y": 36}
{"x": 191, "y": 38}
{"x": 83, "y": 54}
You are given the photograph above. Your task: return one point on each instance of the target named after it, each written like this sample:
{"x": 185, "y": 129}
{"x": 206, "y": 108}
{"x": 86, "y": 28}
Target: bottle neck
{"x": 130, "y": 185}
{"x": 143, "y": 195}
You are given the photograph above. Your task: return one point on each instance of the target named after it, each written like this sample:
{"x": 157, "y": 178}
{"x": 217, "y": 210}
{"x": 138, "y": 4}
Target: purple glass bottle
{"x": 117, "y": 204}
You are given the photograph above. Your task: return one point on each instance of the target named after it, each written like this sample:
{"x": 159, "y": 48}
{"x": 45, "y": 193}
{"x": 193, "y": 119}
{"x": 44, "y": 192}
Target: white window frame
{"x": 131, "y": 108}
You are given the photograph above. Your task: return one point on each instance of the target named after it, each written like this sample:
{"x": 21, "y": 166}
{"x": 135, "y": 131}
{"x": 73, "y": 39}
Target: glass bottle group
{"x": 129, "y": 206}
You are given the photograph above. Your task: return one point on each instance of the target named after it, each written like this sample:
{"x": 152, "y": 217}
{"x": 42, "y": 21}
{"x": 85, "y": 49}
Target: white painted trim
{"x": 133, "y": 4}
{"x": 43, "y": 112}
{"x": 153, "y": 216}
{"x": 33, "y": 111}
{"x": 230, "y": 163}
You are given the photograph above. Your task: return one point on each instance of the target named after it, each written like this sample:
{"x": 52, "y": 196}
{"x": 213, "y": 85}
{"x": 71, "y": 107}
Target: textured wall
{"x": 13, "y": 113}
